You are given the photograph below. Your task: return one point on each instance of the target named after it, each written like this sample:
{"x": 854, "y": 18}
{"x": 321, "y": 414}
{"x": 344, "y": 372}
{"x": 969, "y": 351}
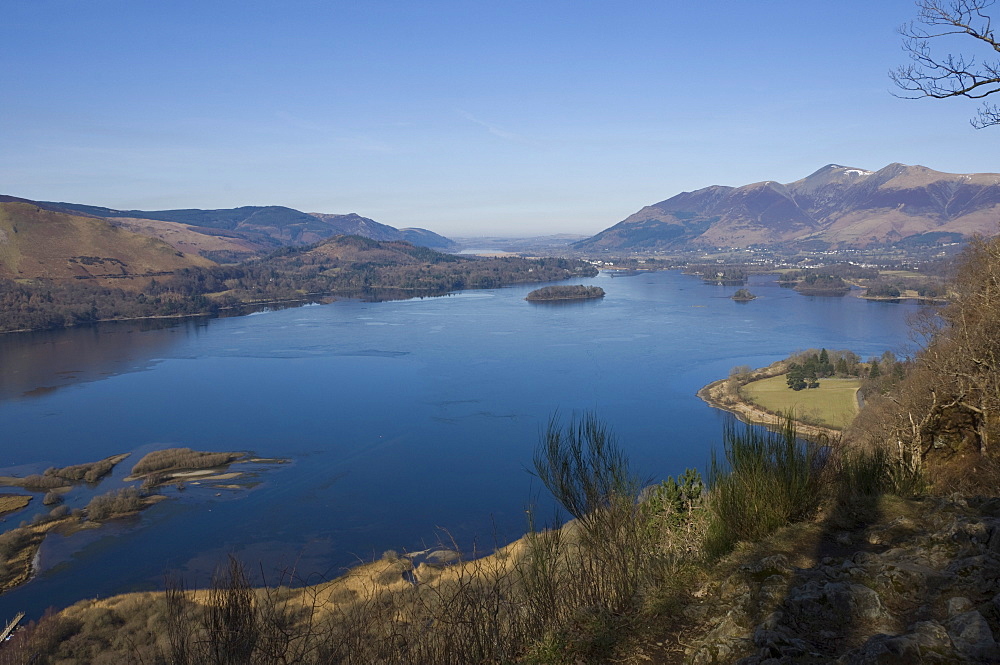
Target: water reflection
{"x": 37, "y": 364}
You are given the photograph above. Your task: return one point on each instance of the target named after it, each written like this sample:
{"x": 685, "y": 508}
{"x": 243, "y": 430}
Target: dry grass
{"x": 91, "y": 472}
{"x": 181, "y": 459}
{"x": 56, "y": 478}
{"x": 185, "y": 238}
{"x": 42, "y": 243}
{"x": 833, "y": 404}
{"x": 10, "y": 503}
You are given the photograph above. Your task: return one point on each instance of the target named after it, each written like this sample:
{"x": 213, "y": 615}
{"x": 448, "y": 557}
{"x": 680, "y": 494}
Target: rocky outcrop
{"x": 921, "y": 587}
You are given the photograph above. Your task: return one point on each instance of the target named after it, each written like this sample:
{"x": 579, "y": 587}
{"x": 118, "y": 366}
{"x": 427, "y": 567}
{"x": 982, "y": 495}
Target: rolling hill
{"x": 837, "y": 207}
{"x": 248, "y": 230}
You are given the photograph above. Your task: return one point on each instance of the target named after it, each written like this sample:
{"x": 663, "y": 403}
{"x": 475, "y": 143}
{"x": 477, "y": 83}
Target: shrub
{"x": 583, "y": 466}
{"x": 181, "y": 458}
{"x": 587, "y": 472}
{"x": 767, "y": 480}
{"x": 90, "y": 473}
{"x": 39, "y": 483}
{"x": 125, "y": 500}
{"x": 13, "y": 541}
{"x": 877, "y": 471}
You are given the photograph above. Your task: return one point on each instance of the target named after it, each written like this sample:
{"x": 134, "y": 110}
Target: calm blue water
{"x": 400, "y": 419}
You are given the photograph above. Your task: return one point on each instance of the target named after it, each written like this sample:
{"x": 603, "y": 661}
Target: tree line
{"x": 289, "y": 274}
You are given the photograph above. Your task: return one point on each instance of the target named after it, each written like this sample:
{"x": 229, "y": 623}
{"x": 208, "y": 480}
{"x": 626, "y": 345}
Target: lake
{"x": 403, "y": 422}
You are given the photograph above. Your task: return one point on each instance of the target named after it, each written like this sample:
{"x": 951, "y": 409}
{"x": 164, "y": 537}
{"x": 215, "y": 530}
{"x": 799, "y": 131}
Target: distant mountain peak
{"x": 835, "y": 206}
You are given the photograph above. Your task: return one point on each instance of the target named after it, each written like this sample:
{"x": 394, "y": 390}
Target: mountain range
{"x": 59, "y": 239}
{"x": 837, "y": 207}
{"x": 262, "y": 225}
{"x": 69, "y": 240}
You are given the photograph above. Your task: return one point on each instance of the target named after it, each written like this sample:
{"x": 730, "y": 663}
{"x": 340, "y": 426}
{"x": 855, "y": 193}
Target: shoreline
{"x": 716, "y": 396}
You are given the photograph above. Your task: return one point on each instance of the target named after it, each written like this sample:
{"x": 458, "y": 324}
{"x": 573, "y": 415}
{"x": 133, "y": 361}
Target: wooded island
{"x": 574, "y": 292}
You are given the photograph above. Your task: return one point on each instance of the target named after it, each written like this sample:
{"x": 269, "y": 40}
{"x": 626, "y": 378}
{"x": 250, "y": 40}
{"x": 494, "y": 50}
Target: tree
{"x": 947, "y": 405}
{"x": 941, "y": 77}
{"x": 796, "y": 377}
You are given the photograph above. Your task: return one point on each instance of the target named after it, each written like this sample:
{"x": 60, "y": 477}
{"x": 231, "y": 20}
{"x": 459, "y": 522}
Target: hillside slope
{"x": 37, "y": 242}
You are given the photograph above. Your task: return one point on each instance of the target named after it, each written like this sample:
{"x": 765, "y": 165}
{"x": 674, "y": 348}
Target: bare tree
{"x": 943, "y": 76}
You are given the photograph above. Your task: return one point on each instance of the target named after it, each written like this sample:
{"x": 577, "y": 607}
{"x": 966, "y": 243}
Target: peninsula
{"x": 767, "y": 395}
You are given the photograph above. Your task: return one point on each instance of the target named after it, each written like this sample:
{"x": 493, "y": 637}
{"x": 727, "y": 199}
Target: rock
{"x": 931, "y": 636}
{"x": 941, "y": 563}
{"x": 883, "y": 650}
{"x": 972, "y": 637}
{"x": 863, "y": 558}
{"x": 958, "y": 605}
{"x": 719, "y": 652}
{"x": 864, "y": 602}
{"x": 776, "y": 563}
{"x": 772, "y": 621}
{"x": 928, "y": 642}
{"x": 773, "y": 589}
{"x": 993, "y": 545}
{"x": 696, "y": 612}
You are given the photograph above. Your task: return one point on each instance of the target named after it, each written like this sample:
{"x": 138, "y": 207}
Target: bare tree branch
{"x": 941, "y": 77}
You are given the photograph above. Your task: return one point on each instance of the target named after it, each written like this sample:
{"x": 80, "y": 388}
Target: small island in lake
{"x": 56, "y": 479}
{"x": 172, "y": 466}
{"x": 817, "y": 284}
{"x": 575, "y": 292}
{"x": 743, "y": 295}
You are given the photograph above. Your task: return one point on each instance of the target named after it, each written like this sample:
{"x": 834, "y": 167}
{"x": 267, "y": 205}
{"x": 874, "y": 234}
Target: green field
{"x": 832, "y": 404}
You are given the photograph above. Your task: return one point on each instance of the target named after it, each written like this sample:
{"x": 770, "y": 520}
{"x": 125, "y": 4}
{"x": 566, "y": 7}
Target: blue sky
{"x": 467, "y": 118}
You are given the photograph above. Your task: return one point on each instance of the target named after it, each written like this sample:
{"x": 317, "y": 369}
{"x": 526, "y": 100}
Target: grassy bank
{"x": 833, "y": 404}
{"x": 725, "y": 394}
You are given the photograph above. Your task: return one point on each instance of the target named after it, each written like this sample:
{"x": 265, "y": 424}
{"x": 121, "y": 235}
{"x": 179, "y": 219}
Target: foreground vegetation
{"x": 559, "y": 595}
